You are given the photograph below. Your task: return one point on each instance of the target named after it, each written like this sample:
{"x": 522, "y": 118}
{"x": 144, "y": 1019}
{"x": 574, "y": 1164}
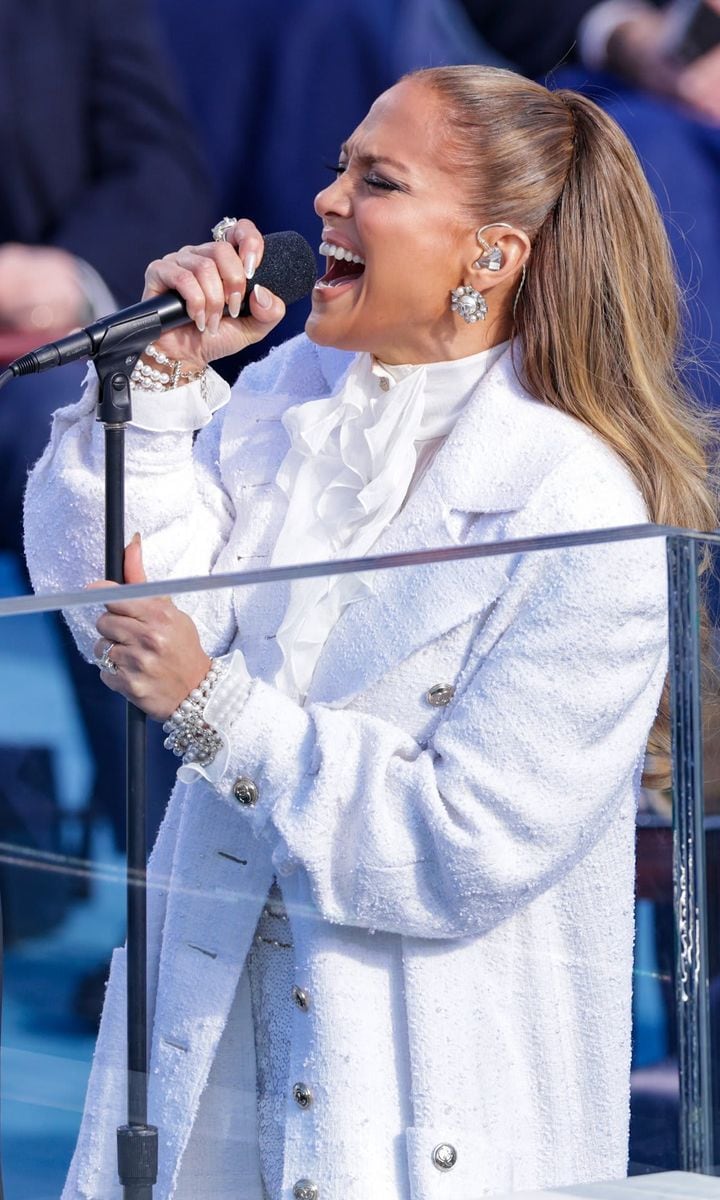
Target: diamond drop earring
{"x": 469, "y": 303}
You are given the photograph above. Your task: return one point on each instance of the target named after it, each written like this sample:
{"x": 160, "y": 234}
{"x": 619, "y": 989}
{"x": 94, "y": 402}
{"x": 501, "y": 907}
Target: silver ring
{"x": 219, "y": 231}
{"x": 104, "y": 661}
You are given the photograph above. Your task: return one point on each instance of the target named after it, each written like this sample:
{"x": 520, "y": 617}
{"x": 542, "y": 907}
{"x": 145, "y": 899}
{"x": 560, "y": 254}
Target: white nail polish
{"x": 200, "y": 322}
{"x": 250, "y": 264}
{"x": 263, "y": 296}
{"x": 234, "y": 302}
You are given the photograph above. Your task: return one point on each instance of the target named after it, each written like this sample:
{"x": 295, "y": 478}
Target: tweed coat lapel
{"x": 484, "y": 472}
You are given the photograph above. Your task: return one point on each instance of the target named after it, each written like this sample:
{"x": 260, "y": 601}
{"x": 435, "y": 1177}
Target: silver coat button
{"x": 302, "y": 1095}
{"x": 444, "y": 1156}
{"x": 301, "y": 999}
{"x": 245, "y": 791}
{"x": 305, "y": 1189}
{"x": 440, "y": 694}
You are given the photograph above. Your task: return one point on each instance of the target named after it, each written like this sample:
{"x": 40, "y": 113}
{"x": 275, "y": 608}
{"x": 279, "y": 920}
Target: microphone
{"x": 288, "y": 269}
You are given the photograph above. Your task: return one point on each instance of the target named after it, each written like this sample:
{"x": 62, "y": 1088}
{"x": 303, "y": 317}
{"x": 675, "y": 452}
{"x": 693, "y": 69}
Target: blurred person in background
{"x": 101, "y": 170}
{"x": 646, "y": 44}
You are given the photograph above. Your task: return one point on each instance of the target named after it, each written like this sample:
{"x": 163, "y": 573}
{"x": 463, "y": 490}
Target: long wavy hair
{"x": 599, "y": 317}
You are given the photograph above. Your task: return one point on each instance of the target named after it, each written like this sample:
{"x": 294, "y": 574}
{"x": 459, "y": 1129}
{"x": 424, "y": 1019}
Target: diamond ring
{"x": 219, "y": 231}
{"x": 104, "y": 661}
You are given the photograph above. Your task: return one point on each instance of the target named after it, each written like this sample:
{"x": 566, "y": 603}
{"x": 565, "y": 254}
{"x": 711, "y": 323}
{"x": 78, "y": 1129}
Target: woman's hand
{"x": 208, "y": 277}
{"x": 156, "y": 648}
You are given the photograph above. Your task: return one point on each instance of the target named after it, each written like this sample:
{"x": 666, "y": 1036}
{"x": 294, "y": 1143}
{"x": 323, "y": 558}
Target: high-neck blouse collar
{"x": 456, "y": 375}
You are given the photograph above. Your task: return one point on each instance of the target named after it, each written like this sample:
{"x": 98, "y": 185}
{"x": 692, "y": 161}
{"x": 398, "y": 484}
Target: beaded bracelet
{"x": 150, "y": 379}
{"x": 190, "y": 737}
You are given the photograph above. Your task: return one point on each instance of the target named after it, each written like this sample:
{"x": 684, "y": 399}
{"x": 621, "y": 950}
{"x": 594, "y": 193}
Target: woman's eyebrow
{"x": 369, "y": 159}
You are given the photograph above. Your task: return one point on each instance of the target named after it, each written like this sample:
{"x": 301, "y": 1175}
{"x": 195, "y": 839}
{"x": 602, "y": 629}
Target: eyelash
{"x": 371, "y": 180}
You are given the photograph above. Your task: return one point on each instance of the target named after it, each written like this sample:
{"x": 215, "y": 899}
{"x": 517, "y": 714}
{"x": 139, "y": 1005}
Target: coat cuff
{"x": 270, "y": 749}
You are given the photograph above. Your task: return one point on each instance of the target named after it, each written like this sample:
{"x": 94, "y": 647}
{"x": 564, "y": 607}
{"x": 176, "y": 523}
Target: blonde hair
{"x": 599, "y": 316}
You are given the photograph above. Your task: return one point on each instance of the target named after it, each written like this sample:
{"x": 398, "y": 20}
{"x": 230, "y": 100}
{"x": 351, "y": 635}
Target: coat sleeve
{"x": 538, "y": 753}
{"x": 174, "y": 497}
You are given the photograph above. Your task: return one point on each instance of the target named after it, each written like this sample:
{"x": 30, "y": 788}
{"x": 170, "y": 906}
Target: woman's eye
{"x": 371, "y": 179}
{"x": 376, "y": 181}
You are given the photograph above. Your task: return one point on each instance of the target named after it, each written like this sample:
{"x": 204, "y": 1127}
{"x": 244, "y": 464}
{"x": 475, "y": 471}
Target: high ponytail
{"x": 597, "y": 320}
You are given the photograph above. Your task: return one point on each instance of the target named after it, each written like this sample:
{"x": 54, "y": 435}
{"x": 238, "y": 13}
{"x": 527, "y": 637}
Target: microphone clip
{"x": 115, "y": 354}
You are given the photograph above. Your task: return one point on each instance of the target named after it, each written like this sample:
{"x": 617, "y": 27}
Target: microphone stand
{"x": 115, "y": 350}
{"x": 137, "y": 1142}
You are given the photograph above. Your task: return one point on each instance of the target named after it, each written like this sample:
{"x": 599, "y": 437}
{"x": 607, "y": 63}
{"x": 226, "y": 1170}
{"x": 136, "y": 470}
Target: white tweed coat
{"x": 459, "y": 879}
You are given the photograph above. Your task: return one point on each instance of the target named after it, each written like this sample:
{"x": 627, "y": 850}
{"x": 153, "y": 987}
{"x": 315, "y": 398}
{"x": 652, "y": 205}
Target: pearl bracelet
{"x": 150, "y": 379}
{"x": 189, "y": 736}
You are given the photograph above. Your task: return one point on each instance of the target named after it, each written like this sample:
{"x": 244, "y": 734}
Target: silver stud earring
{"x": 469, "y": 303}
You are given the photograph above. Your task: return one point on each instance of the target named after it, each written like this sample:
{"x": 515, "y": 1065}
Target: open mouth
{"x": 344, "y": 266}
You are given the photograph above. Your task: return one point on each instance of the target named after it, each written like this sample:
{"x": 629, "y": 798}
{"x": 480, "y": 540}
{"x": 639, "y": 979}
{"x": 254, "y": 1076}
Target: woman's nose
{"x": 335, "y": 198}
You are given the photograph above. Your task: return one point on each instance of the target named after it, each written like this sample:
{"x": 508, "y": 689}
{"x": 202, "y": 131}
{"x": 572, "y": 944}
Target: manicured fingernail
{"x": 234, "y": 302}
{"x": 135, "y": 537}
{"x": 263, "y": 296}
{"x": 250, "y": 264}
{"x": 214, "y": 324}
{"x": 200, "y": 322}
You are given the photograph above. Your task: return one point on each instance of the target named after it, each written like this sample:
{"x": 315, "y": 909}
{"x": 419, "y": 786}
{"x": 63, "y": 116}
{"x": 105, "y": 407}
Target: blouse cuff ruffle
{"x": 182, "y": 409}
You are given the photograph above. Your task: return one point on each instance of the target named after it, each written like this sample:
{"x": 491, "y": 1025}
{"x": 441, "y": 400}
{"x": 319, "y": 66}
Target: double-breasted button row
{"x": 245, "y": 791}
{"x": 305, "y": 1189}
{"x": 440, "y": 694}
{"x": 301, "y": 998}
{"x": 302, "y": 1095}
{"x": 444, "y": 1156}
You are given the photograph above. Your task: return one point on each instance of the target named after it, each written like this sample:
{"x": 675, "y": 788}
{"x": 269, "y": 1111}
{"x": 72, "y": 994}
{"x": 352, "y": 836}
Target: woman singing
{"x": 391, "y": 902}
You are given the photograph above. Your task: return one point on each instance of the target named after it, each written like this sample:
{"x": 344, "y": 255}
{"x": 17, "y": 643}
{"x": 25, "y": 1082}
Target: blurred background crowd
{"x": 128, "y": 129}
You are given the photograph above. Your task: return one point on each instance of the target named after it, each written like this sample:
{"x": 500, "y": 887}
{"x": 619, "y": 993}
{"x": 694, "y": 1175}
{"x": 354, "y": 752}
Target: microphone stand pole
{"x": 137, "y": 1142}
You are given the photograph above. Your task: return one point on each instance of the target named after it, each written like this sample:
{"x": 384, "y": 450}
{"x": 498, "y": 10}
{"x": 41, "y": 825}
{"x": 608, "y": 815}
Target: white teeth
{"x": 340, "y": 253}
